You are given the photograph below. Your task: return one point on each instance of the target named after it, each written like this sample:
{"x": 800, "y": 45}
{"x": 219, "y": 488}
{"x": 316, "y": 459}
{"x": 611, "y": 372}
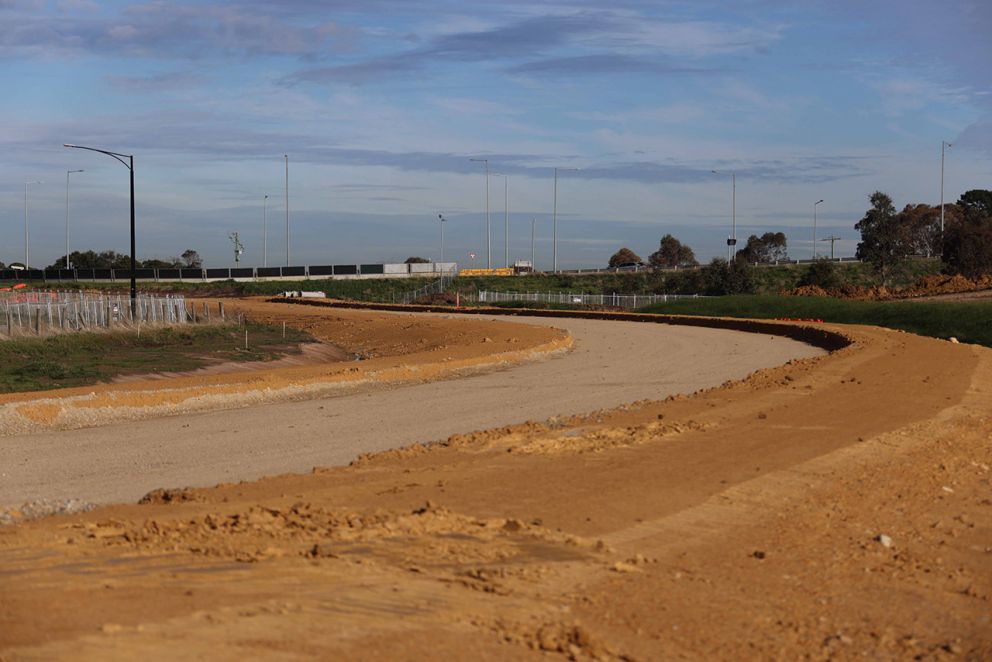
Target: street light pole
{"x": 554, "y": 223}
{"x": 814, "y": 228}
{"x": 286, "y": 156}
{"x": 506, "y": 221}
{"x": 265, "y": 232}
{"x": 441, "y": 218}
{"x": 732, "y": 240}
{"x": 67, "y": 173}
{"x": 533, "y": 224}
{"x": 943, "y": 145}
{"x": 27, "y": 264}
{"x": 489, "y": 234}
{"x": 129, "y": 164}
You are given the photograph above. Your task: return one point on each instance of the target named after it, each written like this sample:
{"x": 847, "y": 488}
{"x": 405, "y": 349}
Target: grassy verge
{"x": 968, "y": 322}
{"x": 80, "y": 359}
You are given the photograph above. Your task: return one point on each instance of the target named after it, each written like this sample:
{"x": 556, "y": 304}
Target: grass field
{"x": 80, "y": 359}
{"x": 968, "y": 322}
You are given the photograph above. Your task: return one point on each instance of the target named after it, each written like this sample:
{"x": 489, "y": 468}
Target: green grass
{"x": 968, "y": 322}
{"x": 80, "y": 359}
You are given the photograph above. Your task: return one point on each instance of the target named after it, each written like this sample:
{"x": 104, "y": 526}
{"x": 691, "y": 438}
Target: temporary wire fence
{"x": 436, "y": 287}
{"x": 614, "y": 300}
{"x": 44, "y": 313}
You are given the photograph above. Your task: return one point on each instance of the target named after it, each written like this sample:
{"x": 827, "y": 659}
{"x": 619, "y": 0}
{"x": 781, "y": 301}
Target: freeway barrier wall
{"x": 237, "y": 273}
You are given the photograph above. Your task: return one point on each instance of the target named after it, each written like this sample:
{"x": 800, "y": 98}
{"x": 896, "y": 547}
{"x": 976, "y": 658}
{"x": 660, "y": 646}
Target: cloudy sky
{"x": 380, "y": 104}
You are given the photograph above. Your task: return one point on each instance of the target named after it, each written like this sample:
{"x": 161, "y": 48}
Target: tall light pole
{"x": 732, "y": 239}
{"x": 265, "y": 232}
{"x": 442, "y": 219}
{"x": 286, "y": 156}
{"x": 533, "y": 225}
{"x": 489, "y": 234}
{"x": 943, "y": 146}
{"x": 554, "y": 223}
{"x": 506, "y": 218}
{"x": 67, "y": 173}
{"x": 814, "y": 228}
{"x": 27, "y": 264}
{"x": 129, "y": 164}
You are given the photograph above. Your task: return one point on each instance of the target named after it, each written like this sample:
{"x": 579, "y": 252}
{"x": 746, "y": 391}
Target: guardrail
{"x": 627, "y": 301}
{"x": 178, "y": 274}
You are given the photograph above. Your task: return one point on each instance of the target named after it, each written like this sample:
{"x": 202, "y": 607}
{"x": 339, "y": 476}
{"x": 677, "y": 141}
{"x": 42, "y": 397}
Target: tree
{"x": 156, "y": 263}
{"x": 967, "y": 244}
{"x": 624, "y": 256}
{"x": 769, "y": 247}
{"x": 822, "y": 273}
{"x": 672, "y": 253}
{"x": 416, "y": 260}
{"x": 976, "y": 201}
{"x": 191, "y": 259}
{"x": 721, "y": 277}
{"x": 883, "y": 242}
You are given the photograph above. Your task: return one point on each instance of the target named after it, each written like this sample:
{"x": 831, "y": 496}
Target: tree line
{"x": 769, "y": 248}
{"x": 887, "y": 238}
{"x": 965, "y": 246}
{"x": 113, "y": 260}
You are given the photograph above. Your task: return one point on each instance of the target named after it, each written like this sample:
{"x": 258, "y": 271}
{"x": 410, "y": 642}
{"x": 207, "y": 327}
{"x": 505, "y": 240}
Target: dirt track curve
{"x": 832, "y": 508}
{"x": 610, "y": 365}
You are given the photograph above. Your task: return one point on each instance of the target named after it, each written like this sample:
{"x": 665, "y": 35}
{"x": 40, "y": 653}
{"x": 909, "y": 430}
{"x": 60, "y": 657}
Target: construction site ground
{"x": 600, "y": 490}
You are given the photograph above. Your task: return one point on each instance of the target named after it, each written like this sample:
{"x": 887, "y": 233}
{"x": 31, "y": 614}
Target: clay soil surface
{"x": 832, "y": 507}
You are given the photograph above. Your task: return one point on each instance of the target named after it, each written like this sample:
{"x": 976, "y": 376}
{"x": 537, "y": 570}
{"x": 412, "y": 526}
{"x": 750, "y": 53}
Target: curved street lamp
{"x": 129, "y": 164}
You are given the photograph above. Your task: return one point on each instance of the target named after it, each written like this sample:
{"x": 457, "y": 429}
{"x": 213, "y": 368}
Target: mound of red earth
{"x": 927, "y": 286}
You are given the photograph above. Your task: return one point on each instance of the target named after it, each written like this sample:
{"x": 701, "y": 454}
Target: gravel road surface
{"x": 613, "y": 363}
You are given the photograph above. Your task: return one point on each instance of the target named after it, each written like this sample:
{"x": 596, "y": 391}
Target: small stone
{"x": 758, "y": 554}
{"x": 947, "y": 489}
{"x": 884, "y": 540}
{"x": 953, "y": 340}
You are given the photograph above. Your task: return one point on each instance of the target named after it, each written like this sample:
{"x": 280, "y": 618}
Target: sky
{"x": 381, "y": 104}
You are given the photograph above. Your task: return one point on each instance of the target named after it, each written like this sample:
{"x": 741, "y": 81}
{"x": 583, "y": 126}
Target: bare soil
{"x": 830, "y": 508}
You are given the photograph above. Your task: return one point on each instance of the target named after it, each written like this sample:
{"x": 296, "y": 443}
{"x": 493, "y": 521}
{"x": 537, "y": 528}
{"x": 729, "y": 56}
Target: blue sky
{"x": 380, "y": 104}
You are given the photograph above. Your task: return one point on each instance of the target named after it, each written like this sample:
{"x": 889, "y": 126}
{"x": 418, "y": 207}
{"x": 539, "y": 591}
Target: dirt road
{"x": 835, "y": 508}
{"x": 611, "y": 364}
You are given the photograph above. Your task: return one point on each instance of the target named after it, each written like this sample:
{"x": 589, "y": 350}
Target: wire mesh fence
{"x": 613, "y": 300}
{"x": 44, "y": 313}
{"x": 435, "y": 287}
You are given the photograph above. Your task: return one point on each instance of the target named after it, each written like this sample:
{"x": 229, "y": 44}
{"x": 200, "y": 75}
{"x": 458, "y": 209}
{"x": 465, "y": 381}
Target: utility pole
{"x": 831, "y": 239}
